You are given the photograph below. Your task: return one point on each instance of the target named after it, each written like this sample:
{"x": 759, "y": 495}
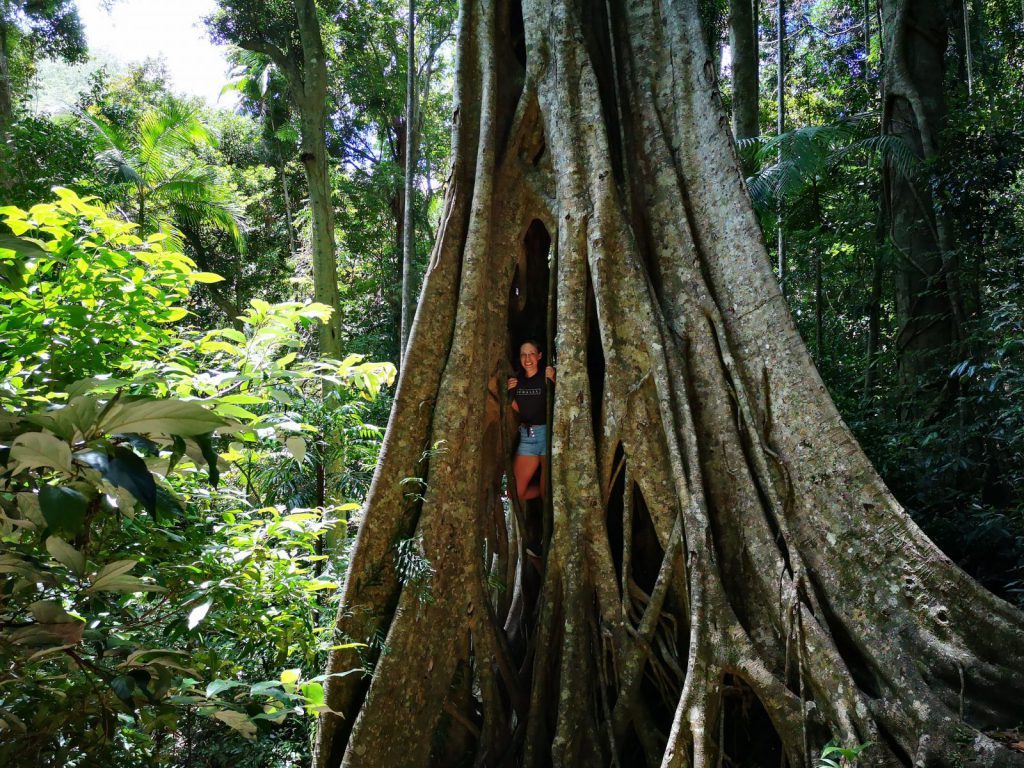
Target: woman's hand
{"x": 549, "y": 373}
{"x": 513, "y": 382}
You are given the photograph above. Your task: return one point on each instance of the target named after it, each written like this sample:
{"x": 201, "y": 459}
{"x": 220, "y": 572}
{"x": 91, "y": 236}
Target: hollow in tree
{"x": 724, "y": 573}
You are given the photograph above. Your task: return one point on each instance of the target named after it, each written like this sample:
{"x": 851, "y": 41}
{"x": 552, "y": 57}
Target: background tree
{"x": 745, "y": 66}
{"x": 718, "y": 542}
{"x": 30, "y": 29}
{"x": 929, "y": 306}
{"x": 290, "y": 35}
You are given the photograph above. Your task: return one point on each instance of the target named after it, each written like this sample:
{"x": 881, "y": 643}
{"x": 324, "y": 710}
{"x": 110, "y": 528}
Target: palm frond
{"x": 792, "y": 161}
{"x": 169, "y": 132}
{"x": 893, "y": 149}
{"x": 119, "y": 167}
{"x": 202, "y": 200}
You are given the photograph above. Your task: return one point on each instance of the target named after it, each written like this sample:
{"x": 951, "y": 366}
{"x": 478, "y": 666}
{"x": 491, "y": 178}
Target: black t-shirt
{"x": 531, "y": 395}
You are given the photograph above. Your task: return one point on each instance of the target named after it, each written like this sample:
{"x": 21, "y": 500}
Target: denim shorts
{"x": 533, "y": 441}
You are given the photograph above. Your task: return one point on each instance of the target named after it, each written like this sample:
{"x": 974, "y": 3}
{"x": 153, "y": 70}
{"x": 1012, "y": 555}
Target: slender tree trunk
{"x": 722, "y": 557}
{"x": 928, "y": 304}
{"x": 819, "y": 303}
{"x": 874, "y": 312}
{"x": 867, "y": 40}
{"x": 408, "y": 230}
{"x": 309, "y": 93}
{"x": 780, "y": 128}
{"x": 968, "y": 54}
{"x": 745, "y": 89}
{"x": 289, "y": 215}
{"x": 6, "y": 100}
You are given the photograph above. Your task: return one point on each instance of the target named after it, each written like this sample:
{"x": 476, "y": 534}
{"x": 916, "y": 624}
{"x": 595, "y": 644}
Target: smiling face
{"x": 529, "y": 358}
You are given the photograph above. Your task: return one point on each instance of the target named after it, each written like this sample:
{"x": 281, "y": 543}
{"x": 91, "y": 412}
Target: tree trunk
{"x": 6, "y": 100}
{"x": 309, "y": 92}
{"x": 745, "y": 89}
{"x": 928, "y": 304}
{"x": 780, "y": 128}
{"x": 408, "y": 231}
{"x": 289, "y": 215}
{"x": 726, "y": 575}
{"x": 867, "y": 41}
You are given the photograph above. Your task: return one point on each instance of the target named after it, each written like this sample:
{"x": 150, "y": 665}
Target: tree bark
{"x": 719, "y": 543}
{"x": 929, "y": 308}
{"x": 745, "y": 66}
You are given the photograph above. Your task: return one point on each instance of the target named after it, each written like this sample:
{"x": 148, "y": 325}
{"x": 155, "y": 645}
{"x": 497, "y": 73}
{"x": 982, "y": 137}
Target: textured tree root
{"x": 718, "y": 543}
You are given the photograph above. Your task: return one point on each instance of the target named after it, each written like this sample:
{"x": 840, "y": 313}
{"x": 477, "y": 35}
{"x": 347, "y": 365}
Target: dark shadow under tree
{"x": 726, "y": 572}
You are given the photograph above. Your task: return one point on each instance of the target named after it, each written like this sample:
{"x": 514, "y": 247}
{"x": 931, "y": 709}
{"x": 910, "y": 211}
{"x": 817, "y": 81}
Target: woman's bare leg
{"x": 524, "y": 468}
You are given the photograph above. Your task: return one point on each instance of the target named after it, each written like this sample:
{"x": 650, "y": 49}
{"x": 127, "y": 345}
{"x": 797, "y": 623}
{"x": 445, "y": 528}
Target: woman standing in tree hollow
{"x": 530, "y": 401}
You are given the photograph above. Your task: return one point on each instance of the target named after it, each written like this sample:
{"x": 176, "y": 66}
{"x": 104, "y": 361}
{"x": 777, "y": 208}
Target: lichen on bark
{"x": 723, "y": 569}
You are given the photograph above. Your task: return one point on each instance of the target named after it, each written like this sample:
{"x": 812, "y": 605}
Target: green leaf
{"x": 242, "y": 399}
{"x": 124, "y": 584}
{"x": 24, "y": 248}
{"x": 124, "y": 687}
{"x": 316, "y": 585}
{"x": 115, "y": 568}
{"x": 113, "y": 578}
{"x": 161, "y": 417}
{"x": 313, "y": 693}
{"x": 50, "y": 612}
{"x": 205, "y": 443}
{"x": 238, "y": 721}
{"x": 234, "y": 412}
{"x": 198, "y": 613}
{"x": 64, "y": 553}
{"x": 63, "y": 508}
{"x": 296, "y": 447}
{"x": 205, "y": 277}
{"x": 173, "y": 314}
{"x": 217, "y": 687}
{"x": 39, "y": 449}
{"x": 127, "y": 470}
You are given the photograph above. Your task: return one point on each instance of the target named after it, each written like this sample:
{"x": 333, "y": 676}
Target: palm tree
{"x": 792, "y": 162}
{"x": 160, "y": 157}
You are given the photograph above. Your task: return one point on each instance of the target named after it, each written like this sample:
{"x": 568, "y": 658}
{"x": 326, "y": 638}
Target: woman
{"x": 530, "y": 400}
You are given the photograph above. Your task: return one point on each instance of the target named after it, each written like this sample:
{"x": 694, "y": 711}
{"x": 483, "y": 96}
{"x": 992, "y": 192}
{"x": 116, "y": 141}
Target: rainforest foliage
{"x": 181, "y": 470}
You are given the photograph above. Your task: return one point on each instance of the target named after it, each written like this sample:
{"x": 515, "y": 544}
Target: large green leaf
{"x": 24, "y": 248}
{"x": 160, "y": 417}
{"x": 63, "y": 552}
{"x": 63, "y": 508}
{"x": 40, "y": 449}
{"x": 128, "y": 471}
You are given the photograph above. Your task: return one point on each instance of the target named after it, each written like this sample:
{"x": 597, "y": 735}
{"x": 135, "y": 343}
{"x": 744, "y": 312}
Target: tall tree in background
{"x": 408, "y": 233}
{"x": 720, "y": 553}
{"x": 929, "y": 309}
{"x": 263, "y": 92}
{"x": 32, "y": 29}
{"x": 780, "y": 128}
{"x": 289, "y": 34}
{"x": 745, "y": 68}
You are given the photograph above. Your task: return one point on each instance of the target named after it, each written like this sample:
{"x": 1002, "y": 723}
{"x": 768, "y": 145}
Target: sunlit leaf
{"x": 198, "y": 613}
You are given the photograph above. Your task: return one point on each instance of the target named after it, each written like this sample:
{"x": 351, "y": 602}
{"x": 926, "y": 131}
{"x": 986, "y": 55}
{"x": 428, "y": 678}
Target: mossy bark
{"x": 722, "y": 558}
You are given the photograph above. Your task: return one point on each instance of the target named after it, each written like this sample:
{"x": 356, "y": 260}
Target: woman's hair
{"x": 532, "y": 342}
